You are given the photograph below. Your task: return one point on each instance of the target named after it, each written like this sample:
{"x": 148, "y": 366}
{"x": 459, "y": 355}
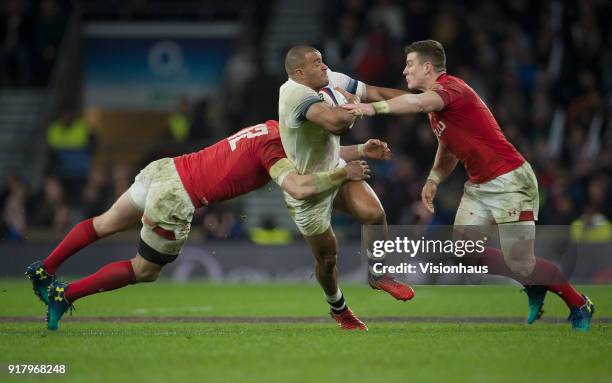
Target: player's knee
{"x": 519, "y": 256}
{"x": 100, "y": 226}
{"x": 521, "y": 264}
{"x": 104, "y": 225}
{"x": 374, "y": 216}
{"x": 144, "y": 271}
{"x": 146, "y": 275}
{"x": 327, "y": 262}
{"x": 523, "y": 268}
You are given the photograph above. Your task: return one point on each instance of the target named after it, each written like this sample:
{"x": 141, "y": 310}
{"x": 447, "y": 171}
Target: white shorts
{"x": 158, "y": 191}
{"x": 312, "y": 216}
{"x": 511, "y": 197}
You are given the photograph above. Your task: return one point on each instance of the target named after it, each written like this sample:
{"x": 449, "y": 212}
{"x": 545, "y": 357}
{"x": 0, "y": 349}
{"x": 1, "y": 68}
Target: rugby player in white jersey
{"x": 310, "y": 131}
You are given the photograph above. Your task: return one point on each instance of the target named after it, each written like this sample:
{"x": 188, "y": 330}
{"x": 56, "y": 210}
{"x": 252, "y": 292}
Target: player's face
{"x": 315, "y": 70}
{"x": 414, "y": 71}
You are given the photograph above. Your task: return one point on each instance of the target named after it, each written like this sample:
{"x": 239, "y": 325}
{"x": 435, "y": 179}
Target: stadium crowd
{"x": 542, "y": 67}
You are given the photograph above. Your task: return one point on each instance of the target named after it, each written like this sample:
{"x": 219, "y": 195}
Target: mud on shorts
{"x": 167, "y": 211}
{"x": 511, "y": 197}
{"x": 312, "y": 216}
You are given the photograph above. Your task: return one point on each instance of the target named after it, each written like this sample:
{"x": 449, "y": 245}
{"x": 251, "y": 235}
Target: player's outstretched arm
{"x": 428, "y": 101}
{"x": 377, "y": 93}
{"x": 367, "y": 93}
{"x": 373, "y": 149}
{"x": 444, "y": 164}
{"x": 304, "y": 186}
{"x": 335, "y": 120}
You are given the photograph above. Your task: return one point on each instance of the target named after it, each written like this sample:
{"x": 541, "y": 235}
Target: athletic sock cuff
{"x": 131, "y": 272}
{"x": 90, "y": 231}
{"x": 334, "y": 298}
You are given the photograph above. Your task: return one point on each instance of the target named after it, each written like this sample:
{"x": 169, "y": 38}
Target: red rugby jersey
{"x": 233, "y": 166}
{"x": 468, "y": 129}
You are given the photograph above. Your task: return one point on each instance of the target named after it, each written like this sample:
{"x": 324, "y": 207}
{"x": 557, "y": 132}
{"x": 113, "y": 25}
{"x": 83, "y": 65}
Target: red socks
{"x": 110, "y": 277}
{"x": 80, "y": 236}
{"x": 545, "y": 273}
{"x": 557, "y": 283}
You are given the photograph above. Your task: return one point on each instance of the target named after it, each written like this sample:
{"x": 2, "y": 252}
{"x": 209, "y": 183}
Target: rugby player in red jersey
{"x": 502, "y": 189}
{"x": 164, "y": 196}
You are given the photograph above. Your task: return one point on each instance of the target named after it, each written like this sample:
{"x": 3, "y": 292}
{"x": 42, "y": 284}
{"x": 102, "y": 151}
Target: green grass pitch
{"x": 304, "y": 351}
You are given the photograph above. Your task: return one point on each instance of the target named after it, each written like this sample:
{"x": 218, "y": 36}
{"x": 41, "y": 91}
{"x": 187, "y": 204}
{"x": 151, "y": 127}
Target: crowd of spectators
{"x": 30, "y": 36}
{"x": 542, "y": 67}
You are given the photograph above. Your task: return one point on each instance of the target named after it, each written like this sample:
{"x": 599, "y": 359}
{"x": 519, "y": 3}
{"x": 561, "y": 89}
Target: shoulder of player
{"x": 335, "y": 78}
{"x": 291, "y": 88}
{"x": 455, "y": 83}
{"x": 453, "y": 87}
{"x": 447, "y": 80}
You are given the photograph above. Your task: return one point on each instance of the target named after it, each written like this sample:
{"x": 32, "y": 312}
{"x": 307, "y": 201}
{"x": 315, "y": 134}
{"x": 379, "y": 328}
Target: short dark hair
{"x": 295, "y": 57}
{"x": 430, "y": 50}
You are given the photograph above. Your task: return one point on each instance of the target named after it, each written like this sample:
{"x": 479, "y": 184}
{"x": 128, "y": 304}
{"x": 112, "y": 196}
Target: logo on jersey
{"x": 437, "y": 126}
{"x": 250, "y": 132}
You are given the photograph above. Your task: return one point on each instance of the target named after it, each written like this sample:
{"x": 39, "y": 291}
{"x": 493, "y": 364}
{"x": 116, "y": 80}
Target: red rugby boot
{"x": 396, "y": 289}
{"x": 348, "y": 321}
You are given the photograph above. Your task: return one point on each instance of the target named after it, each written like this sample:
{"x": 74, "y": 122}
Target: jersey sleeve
{"x": 270, "y": 153}
{"x": 301, "y": 99}
{"x": 451, "y": 94}
{"x": 345, "y": 82}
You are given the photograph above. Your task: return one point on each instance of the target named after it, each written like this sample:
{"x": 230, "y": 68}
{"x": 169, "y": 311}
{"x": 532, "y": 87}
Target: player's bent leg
{"x": 517, "y": 243}
{"x": 144, "y": 270}
{"x": 42, "y": 273}
{"x": 357, "y": 199}
{"x": 325, "y": 248}
{"x": 62, "y": 295}
{"x": 110, "y": 277}
{"x": 123, "y": 215}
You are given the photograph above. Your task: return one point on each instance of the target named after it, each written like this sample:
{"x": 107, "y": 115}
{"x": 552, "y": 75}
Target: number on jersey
{"x": 250, "y": 132}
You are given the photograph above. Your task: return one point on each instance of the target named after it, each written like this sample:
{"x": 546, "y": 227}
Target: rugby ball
{"x": 331, "y": 96}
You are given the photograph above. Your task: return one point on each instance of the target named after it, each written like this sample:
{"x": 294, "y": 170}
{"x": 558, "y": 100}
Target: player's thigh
{"x": 312, "y": 216}
{"x": 358, "y": 199}
{"x": 167, "y": 217}
{"x": 473, "y": 220}
{"x": 513, "y": 196}
{"x": 127, "y": 210}
{"x": 121, "y": 216}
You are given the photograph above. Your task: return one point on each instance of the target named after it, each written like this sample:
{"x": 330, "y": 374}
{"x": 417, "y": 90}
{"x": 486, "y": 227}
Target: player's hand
{"x": 427, "y": 195}
{"x": 376, "y": 150}
{"x": 350, "y": 98}
{"x": 360, "y": 109}
{"x": 357, "y": 171}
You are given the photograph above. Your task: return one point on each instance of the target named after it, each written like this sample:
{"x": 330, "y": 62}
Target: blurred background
{"x": 92, "y": 91}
